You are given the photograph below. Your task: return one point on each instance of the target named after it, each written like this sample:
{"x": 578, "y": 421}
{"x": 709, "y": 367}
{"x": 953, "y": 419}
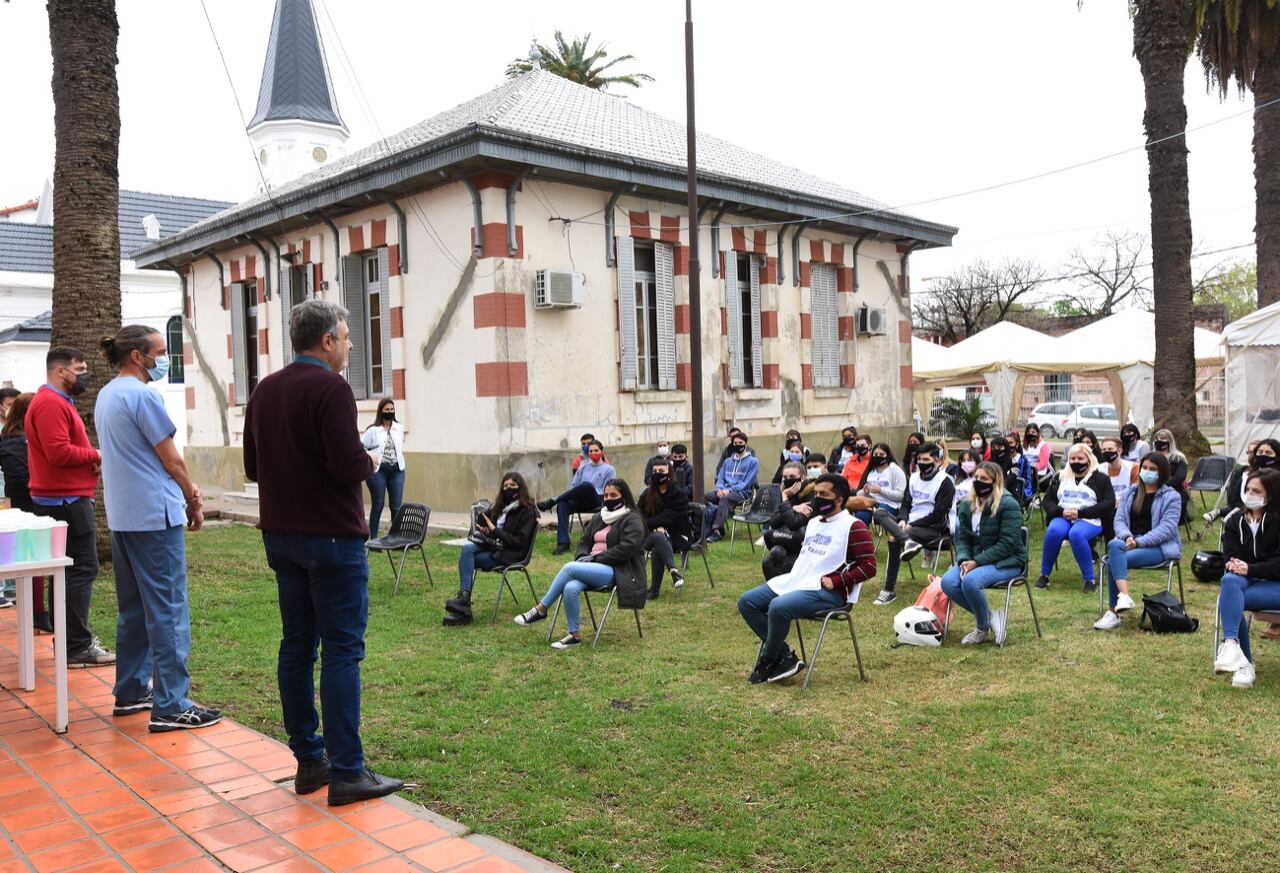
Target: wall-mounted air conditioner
{"x": 872, "y": 322}
{"x": 558, "y": 289}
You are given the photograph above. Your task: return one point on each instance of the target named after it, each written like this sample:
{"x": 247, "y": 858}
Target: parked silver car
{"x": 1055, "y": 419}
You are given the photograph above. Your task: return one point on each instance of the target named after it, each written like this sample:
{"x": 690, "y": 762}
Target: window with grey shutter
{"x": 824, "y": 326}
{"x": 353, "y": 300}
{"x": 733, "y": 309}
{"x": 757, "y": 345}
{"x": 240, "y": 376}
{"x": 627, "y": 342}
{"x": 286, "y": 303}
{"x": 664, "y": 272}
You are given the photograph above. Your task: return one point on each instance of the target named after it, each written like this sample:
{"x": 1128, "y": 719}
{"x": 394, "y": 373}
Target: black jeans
{"x": 927, "y": 536}
{"x": 580, "y": 498}
{"x": 82, "y": 547}
{"x": 661, "y": 558}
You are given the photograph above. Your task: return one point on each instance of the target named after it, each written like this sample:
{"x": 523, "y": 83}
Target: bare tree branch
{"x": 1109, "y": 274}
{"x": 974, "y": 297}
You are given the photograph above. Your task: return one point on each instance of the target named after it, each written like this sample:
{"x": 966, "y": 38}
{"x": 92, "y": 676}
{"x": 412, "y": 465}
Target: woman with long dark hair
{"x": 502, "y": 536}
{"x": 883, "y": 481}
{"x": 1251, "y": 545}
{"x": 386, "y": 437}
{"x": 1133, "y": 447}
{"x": 914, "y": 441}
{"x": 664, "y": 506}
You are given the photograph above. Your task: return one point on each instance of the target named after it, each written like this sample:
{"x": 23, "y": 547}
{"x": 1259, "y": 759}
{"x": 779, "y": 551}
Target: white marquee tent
{"x": 1252, "y": 347}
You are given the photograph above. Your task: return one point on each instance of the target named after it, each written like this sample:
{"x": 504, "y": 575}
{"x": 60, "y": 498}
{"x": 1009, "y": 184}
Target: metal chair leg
{"x": 946, "y": 622}
{"x": 586, "y": 595}
{"x": 857, "y": 653}
{"x": 1217, "y": 622}
{"x": 733, "y": 533}
{"x": 639, "y": 630}
{"x": 1182, "y": 597}
{"x": 1034, "y": 617}
{"x": 426, "y": 566}
{"x": 600, "y": 627}
{"x": 1008, "y": 599}
{"x": 528, "y": 580}
{"x": 751, "y": 539}
{"x": 403, "y": 557}
{"x": 800, "y": 639}
{"x": 703, "y": 552}
{"x": 817, "y": 647}
{"x": 554, "y": 616}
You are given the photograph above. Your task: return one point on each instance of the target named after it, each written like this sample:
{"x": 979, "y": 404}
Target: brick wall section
{"x": 235, "y": 269}
{"x": 502, "y": 379}
{"x": 847, "y": 375}
{"x": 393, "y": 259}
{"x": 684, "y": 377}
{"x": 847, "y": 327}
{"x": 231, "y": 394}
{"x": 769, "y": 272}
{"x": 251, "y": 267}
{"x": 761, "y": 241}
{"x": 497, "y": 309}
{"x": 837, "y": 254}
{"x": 230, "y": 348}
{"x": 817, "y": 250}
{"x": 226, "y": 296}
{"x": 681, "y": 258}
{"x": 397, "y": 384}
{"x": 682, "y": 318}
{"x": 771, "y": 376}
{"x": 768, "y": 324}
{"x": 378, "y": 233}
{"x": 904, "y": 375}
{"x": 191, "y": 397}
{"x": 495, "y": 240}
{"x": 804, "y": 274}
{"x": 904, "y": 331}
{"x": 397, "y": 322}
{"x": 492, "y": 179}
{"x": 263, "y": 341}
{"x": 670, "y": 228}
{"x": 806, "y": 326}
{"x": 640, "y": 225}
{"x": 739, "y": 239}
{"x": 806, "y": 376}
{"x": 306, "y": 251}
{"x": 724, "y": 321}
{"x": 844, "y": 280}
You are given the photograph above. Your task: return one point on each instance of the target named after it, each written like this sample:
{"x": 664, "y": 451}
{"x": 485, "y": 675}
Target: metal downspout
{"x": 782, "y": 235}
{"x": 337, "y": 244}
{"x": 182, "y": 279}
{"x": 266, "y": 266}
{"x": 401, "y": 227}
{"x": 795, "y": 255}
{"x": 857, "y": 245}
{"x": 904, "y": 275}
{"x": 222, "y": 279}
{"x": 610, "y": 258}
{"x": 477, "y": 243}
{"x": 715, "y": 239}
{"x": 512, "y": 248}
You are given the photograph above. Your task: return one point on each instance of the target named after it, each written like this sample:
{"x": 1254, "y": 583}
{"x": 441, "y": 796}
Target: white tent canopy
{"x": 1252, "y": 346}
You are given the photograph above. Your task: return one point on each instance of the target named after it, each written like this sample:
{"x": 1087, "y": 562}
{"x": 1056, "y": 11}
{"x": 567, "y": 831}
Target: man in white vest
{"x": 837, "y": 556}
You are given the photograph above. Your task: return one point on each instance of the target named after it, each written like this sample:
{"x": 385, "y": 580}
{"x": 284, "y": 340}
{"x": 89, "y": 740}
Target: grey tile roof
{"x": 33, "y": 330}
{"x": 25, "y": 248}
{"x": 295, "y": 76}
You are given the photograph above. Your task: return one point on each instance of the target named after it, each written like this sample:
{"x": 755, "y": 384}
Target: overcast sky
{"x": 905, "y": 101}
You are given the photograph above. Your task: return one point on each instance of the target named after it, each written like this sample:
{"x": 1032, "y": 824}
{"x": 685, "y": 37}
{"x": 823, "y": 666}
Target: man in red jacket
{"x": 64, "y": 474}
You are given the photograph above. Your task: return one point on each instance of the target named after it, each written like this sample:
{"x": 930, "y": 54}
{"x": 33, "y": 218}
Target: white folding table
{"x": 23, "y": 573}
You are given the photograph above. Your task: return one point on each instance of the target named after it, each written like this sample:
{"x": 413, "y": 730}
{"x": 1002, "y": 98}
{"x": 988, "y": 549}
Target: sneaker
{"x": 560, "y": 549}
{"x": 532, "y": 616}
{"x": 1210, "y": 517}
{"x": 715, "y": 536}
{"x": 786, "y": 667}
{"x": 1090, "y": 586}
{"x": 1124, "y": 603}
{"x": 94, "y": 656}
{"x": 911, "y": 549}
{"x": 129, "y": 707}
{"x": 568, "y": 641}
{"x": 1244, "y": 677}
{"x": 5, "y": 603}
{"x": 1042, "y": 582}
{"x": 191, "y": 718}
{"x": 885, "y": 596}
{"x": 677, "y": 581}
{"x": 544, "y": 505}
{"x": 998, "y": 625}
{"x": 1109, "y": 621}
{"x": 976, "y": 636}
{"x": 761, "y": 671}
{"x": 1230, "y": 658}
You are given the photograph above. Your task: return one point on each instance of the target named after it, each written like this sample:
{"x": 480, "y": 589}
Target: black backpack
{"x": 1166, "y": 615}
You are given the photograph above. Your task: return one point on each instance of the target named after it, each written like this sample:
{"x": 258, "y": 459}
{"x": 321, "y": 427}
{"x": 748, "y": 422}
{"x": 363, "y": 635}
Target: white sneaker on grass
{"x": 885, "y": 596}
{"x": 1124, "y": 602}
{"x": 998, "y": 626}
{"x": 1243, "y": 678}
{"x": 976, "y": 636}
{"x": 1230, "y": 658}
{"x": 1109, "y": 621}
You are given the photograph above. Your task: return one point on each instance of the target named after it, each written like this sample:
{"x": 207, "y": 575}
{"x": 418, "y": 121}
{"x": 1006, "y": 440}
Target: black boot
{"x": 460, "y": 604}
{"x": 544, "y": 505}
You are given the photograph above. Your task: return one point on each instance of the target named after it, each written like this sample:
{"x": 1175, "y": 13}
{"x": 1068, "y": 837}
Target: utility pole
{"x": 695, "y": 271}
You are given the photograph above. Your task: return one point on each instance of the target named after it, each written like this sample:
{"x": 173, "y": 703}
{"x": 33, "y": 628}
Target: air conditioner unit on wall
{"x": 872, "y": 322}
{"x": 558, "y": 289}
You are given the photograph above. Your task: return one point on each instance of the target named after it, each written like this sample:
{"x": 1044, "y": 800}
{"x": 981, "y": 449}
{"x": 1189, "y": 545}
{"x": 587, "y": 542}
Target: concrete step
{"x": 241, "y": 498}
{"x": 251, "y": 488}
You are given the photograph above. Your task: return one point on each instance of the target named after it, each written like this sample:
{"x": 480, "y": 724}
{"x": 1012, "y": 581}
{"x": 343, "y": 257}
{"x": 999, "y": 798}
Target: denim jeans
{"x": 1079, "y": 534}
{"x": 929, "y": 537}
{"x": 474, "y": 558}
{"x": 388, "y": 479}
{"x": 770, "y": 615}
{"x": 324, "y": 605}
{"x": 82, "y": 547}
{"x": 718, "y": 509}
{"x": 153, "y": 630}
{"x": 574, "y": 578}
{"x": 1121, "y": 560}
{"x": 1239, "y": 594}
{"x": 865, "y": 515}
{"x": 580, "y": 498}
{"x": 968, "y": 592}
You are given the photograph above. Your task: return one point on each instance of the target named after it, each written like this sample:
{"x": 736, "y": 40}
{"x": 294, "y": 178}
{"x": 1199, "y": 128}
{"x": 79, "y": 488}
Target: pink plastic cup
{"x": 8, "y": 546}
{"x": 57, "y": 540}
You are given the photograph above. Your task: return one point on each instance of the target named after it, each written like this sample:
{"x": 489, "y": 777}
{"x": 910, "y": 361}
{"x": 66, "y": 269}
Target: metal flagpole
{"x": 695, "y": 285}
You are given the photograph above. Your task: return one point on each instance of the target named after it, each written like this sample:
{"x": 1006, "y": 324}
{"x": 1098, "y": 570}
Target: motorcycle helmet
{"x": 917, "y": 626}
{"x": 1208, "y": 566}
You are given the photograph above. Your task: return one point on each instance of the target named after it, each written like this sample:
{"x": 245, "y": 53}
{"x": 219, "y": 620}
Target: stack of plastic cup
{"x": 41, "y": 535}
{"x": 58, "y": 540}
{"x": 8, "y": 542}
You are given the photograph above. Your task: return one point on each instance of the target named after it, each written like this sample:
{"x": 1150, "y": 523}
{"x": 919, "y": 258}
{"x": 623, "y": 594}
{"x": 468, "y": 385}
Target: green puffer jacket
{"x": 999, "y": 537}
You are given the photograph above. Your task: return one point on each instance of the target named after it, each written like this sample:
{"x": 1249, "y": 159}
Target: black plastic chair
{"x": 1211, "y": 474}
{"x": 520, "y": 566}
{"x": 408, "y": 532}
{"x": 1007, "y": 586}
{"x": 612, "y": 591}
{"x": 699, "y": 542}
{"x": 758, "y": 509}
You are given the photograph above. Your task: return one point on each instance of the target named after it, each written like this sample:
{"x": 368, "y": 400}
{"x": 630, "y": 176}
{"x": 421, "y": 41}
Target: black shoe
{"x": 533, "y": 615}
{"x": 454, "y": 619}
{"x": 761, "y": 672}
{"x": 129, "y": 707}
{"x": 715, "y": 536}
{"x": 651, "y": 594}
{"x": 460, "y": 605}
{"x": 1042, "y": 582}
{"x": 544, "y": 505}
{"x": 312, "y": 775}
{"x": 192, "y": 718}
{"x": 787, "y": 667}
{"x": 366, "y": 786}
{"x": 1090, "y": 586}
{"x": 42, "y": 622}
{"x": 561, "y": 548}
{"x": 676, "y": 579}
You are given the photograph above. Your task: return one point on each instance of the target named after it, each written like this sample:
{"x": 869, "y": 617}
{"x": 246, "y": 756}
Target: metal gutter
{"x": 857, "y": 245}
{"x": 400, "y": 226}
{"x": 904, "y": 276}
{"x": 795, "y": 255}
{"x": 715, "y": 239}
{"x": 477, "y": 242}
{"x": 222, "y": 280}
{"x": 337, "y": 246}
{"x": 782, "y": 234}
{"x": 266, "y": 267}
{"x": 610, "y": 259}
{"x": 512, "y": 248}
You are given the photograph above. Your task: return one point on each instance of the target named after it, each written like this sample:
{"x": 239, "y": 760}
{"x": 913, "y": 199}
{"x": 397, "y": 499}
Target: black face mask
{"x": 613, "y": 505}
{"x": 660, "y": 478}
{"x": 1264, "y": 461}
{"x": 1078, "y": 467}
{"x": 1128, "y": 438}
{"x": 926, "y": 470}
{"x": 510, "y": 494}
{"x": 1162, "y": 445}
{"x": 81, "y": 384}
{"x": 879, "y": 460}
{"x": 997, "y": 453}
{"x": 1110, "y": 457}
{"x": 1031, "y": 439}
{"x": 388, "y": 416}
{"x": 739, "y": 448}
{"x": 983, "y": 489}
{"x": 824, "y": 507}
{"x": 848, "y": 440}
{"x": 860, "y": 450}
{"x": 788, "y": 483}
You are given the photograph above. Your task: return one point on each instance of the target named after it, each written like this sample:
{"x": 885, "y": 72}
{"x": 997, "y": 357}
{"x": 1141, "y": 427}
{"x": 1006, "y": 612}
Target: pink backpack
{"x": 934, "y": 599}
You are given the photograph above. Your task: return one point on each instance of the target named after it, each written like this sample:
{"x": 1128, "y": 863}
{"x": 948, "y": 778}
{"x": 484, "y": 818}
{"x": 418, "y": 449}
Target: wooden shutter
{"x": 825, "y": 333}
{"x": 240, "y": 376}
{"x": 733, "y": 308}
{"x": 757, "y": 345}
{"x": 665, "y": 285}
{"x": 355, "y": 302}
{"x": 627, "y": 342}
{"x": 286, "y": 304}
{"x": 384, "y": 317}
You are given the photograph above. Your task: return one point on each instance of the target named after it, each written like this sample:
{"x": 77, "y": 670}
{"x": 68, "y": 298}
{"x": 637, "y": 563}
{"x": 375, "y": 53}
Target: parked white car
{"x": 1055, "y": 419}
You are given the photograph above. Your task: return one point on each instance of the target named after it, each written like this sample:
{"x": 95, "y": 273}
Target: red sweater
{"x": 860, "y": 558}
{"x": 61, "y": 459}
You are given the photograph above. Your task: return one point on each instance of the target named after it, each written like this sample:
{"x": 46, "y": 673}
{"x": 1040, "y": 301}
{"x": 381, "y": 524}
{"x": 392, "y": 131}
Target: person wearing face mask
{"x": 502, "y": 536}
{"x": 858, "y": 461}
{"x": 64, "y": 471}
{"x": 842, "y": 451}
{"x": 584, "y": 443}
{"x": 1251, "y": 546}
{"x": 791, "y": 436}
{"x": 785, "y": 531}
{"x": 814, "y": 466}
{"x": 1123, "y": 474}
{"x": 970, "y": 460}
{"x": 914, "y": 442}
{"x": 1023, "y": 466}
{"x": 664, "y": 506}
{"x": 1079, "y": 506}
{"x": 989, "y": 550}
{"x": 681, "y": 469}
{"x": 386, "y": 437}
{"x": 730, "y": 450}
{"x": 611, "y": 553}
{"x": 151, "y": 500}
{"x": 978, "y": 442}
{"x": 1262, "y": 456}
{"x": 1133, "y": 448}
{"x": 1038, "y": 450}
{"x": 1146, "y": 534}
{"x": 1088, "y": 439}
{"x": 883, "y": 482}
{"x": 793, "y": 453}
{"x": 836, "y": 557}
{"x": 928, "y": 505}
{"x": 661, "y": 453}
{"x": 1163, "y": 441}
{"x": 585, "y": 493}
{"x": 734, "y": 484}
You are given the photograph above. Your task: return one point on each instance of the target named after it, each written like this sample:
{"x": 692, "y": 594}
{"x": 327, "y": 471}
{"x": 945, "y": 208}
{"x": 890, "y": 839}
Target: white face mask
{"x": 1253, "y": 501}
{"x": 663, "y": 451}
{"x": 968, "y": 467}
{"x": 977, "y": 444}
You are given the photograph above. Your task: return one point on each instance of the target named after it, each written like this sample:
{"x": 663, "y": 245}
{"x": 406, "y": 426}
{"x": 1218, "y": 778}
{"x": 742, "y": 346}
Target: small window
{"x": 251, "y": 335}
{"x": 375, "y": 290}
{"x": 299, "y": 285}
{"x": 750, "y": 317}
{"x": 173, "y": 340}
{"x": 646, "y": 307}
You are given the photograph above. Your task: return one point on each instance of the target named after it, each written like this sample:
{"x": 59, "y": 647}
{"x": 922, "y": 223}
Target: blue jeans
{"x": 474, "y": 557}
{"x": 865, "y": 515}
{"x": 770, "y": 615}
{"x": 388, "y": 479}
{"x": 968, "y": 592}
{"x": 153, "y": 628}
{"x": 580, "y": 498}
{"x": 1121, "y": 560}
{"x": 1238, "y": 594}
{"x": 574, "y": 578}
{"x": 324, "y": 604}
{"x": 1079, "y": 534}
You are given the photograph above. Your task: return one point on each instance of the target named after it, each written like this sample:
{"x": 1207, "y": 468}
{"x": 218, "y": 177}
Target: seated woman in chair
{"x": 611, "y": 553}
{"x": 882, "y": 486}
{"x": 503, "y": 534}
{"x": 989, "y": 550}
{"x": 926, "y": 516}
{"x": 1078, "y": 505}
{"x": 1251, "y": 545}
{"x": 784, "y": 532}
{"x": 664, "y": 506}
{"x": 1146, "y": 525}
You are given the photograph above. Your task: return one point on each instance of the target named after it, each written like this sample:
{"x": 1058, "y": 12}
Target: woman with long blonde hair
{"x": 1079, "y": 506}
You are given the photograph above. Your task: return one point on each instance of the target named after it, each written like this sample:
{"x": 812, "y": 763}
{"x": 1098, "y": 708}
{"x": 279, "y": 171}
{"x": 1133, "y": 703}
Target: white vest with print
{"x": 1077, "y": 495}
{"x": 924, "y": 494}
{"x": 1121, "y": 482}
{"x": 824, "y": 551}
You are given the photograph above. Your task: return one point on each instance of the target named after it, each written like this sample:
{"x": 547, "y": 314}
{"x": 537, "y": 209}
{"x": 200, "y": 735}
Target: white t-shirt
{"x": 824, "y": 551}
{"x": 1121, "y": 482}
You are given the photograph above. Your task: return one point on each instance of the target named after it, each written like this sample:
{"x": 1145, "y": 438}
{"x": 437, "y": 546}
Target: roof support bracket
{"x": 266, "y": 266}
{"x": 857, "y": 245}
{"x": 904, "y": 275}
{"x": 222, "y": 279}
{"x": 403, "y": 230}
{"x": 337, "y": 243}
{"x": 610, "y": 259}
{"x": 182, "y": 281}
{"x": 477, "y": 244}
{"x": 715, "y": 238}
{"x": 512, "y": 248}
{"x": 795, "y": 254}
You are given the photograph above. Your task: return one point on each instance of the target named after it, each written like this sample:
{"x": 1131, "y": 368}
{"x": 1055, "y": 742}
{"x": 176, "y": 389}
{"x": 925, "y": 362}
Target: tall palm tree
{"x": 1162, "y": 45}
{"x": 1240, "y": 40}
{"x": 576, "y": 62}
{"x": 86, "y": 186}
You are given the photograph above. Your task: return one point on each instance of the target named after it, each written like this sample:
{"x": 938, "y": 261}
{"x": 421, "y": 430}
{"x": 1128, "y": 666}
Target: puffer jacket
{"x": 1166, "y": 515}
{"x": 1261, "y": 552}
{"x": 624, "y": 553}
{"x": 998, "y": 541}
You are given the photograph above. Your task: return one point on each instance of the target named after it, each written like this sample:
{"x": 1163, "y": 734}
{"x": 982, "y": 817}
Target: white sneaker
{"x": 1109, "y": 621}
{"x": 998, "y": 624}
{"x": 1244, "y": 677}
{"x": 884, "y": 597}
{"x": 1230, "y": 658}
{"x": 976, "y": 636}
{"x": 1209, "y": 517}
{"x": 1124, "y": 603}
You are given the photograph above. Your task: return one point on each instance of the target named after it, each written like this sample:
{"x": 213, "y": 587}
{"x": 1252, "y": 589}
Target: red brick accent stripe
{"x": 497, "y": 309}
{"x": 684, "y": 376}
{"x": 768, "y": 324}
{"x": 231, "y": 393}
{"x": 847, "y": 375}
{"x": 393, "y": 259}
{"x": 806, "y": 376}
{"x": 769, "y": 274}
{"x": 681, "y": 258}
{"x": 771, "y": 376}
{"x": 491, "y": 179}
{"x": 235, "y": 269}
{"x": 844, "y": 279}
{"x": 760, "y": 241}
{"x": 263, "y": 341}
{"x": 355, "y": 238}
{"x": 806, "y": 325}
{"x": 724, "y": 321}
{"x": 191, "y": 397}
{"x": 804, "y": 274}
{"x": 306, "y": 251}
{"x": 494, "y": 241}
{"x": 397, "y": 322}
{"x": 847, "y": 326}
{"x": 904, "y": 331}
{"x": 817, "y": 250}
{"x": 670, "y": 228}
{"x": 397, "y": 384}
{"x": 502, "y": 379}
{"x": 904, "y": 375}
{"x": 251, "y": 267}
{"x": 230, "y": 348}
{"x": 378, "y": 233}
{"x": 837, "y": 253}
{"x": 739, "y": 239}
{"x": 640, "y": 225}
{"x": 682, "y": 318}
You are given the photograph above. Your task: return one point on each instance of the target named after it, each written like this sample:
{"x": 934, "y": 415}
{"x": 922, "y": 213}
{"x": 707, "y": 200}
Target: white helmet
{"x": 917, "y": 626}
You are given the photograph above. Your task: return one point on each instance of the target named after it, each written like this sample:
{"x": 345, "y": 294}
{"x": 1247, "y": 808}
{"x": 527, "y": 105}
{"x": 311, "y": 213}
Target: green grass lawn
{"x": 1078, "y": 751}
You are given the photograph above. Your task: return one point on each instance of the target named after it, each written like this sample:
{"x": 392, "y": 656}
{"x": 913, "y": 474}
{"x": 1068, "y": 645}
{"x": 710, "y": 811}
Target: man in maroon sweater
{"x": 302, "y": 446}
{"x": 64, "y": 475}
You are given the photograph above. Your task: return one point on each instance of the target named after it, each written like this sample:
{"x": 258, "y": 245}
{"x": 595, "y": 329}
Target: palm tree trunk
{"x": 1266, "y": 170}
{"x": 1160, "y": 43}
{"x": 86, "y": 187}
